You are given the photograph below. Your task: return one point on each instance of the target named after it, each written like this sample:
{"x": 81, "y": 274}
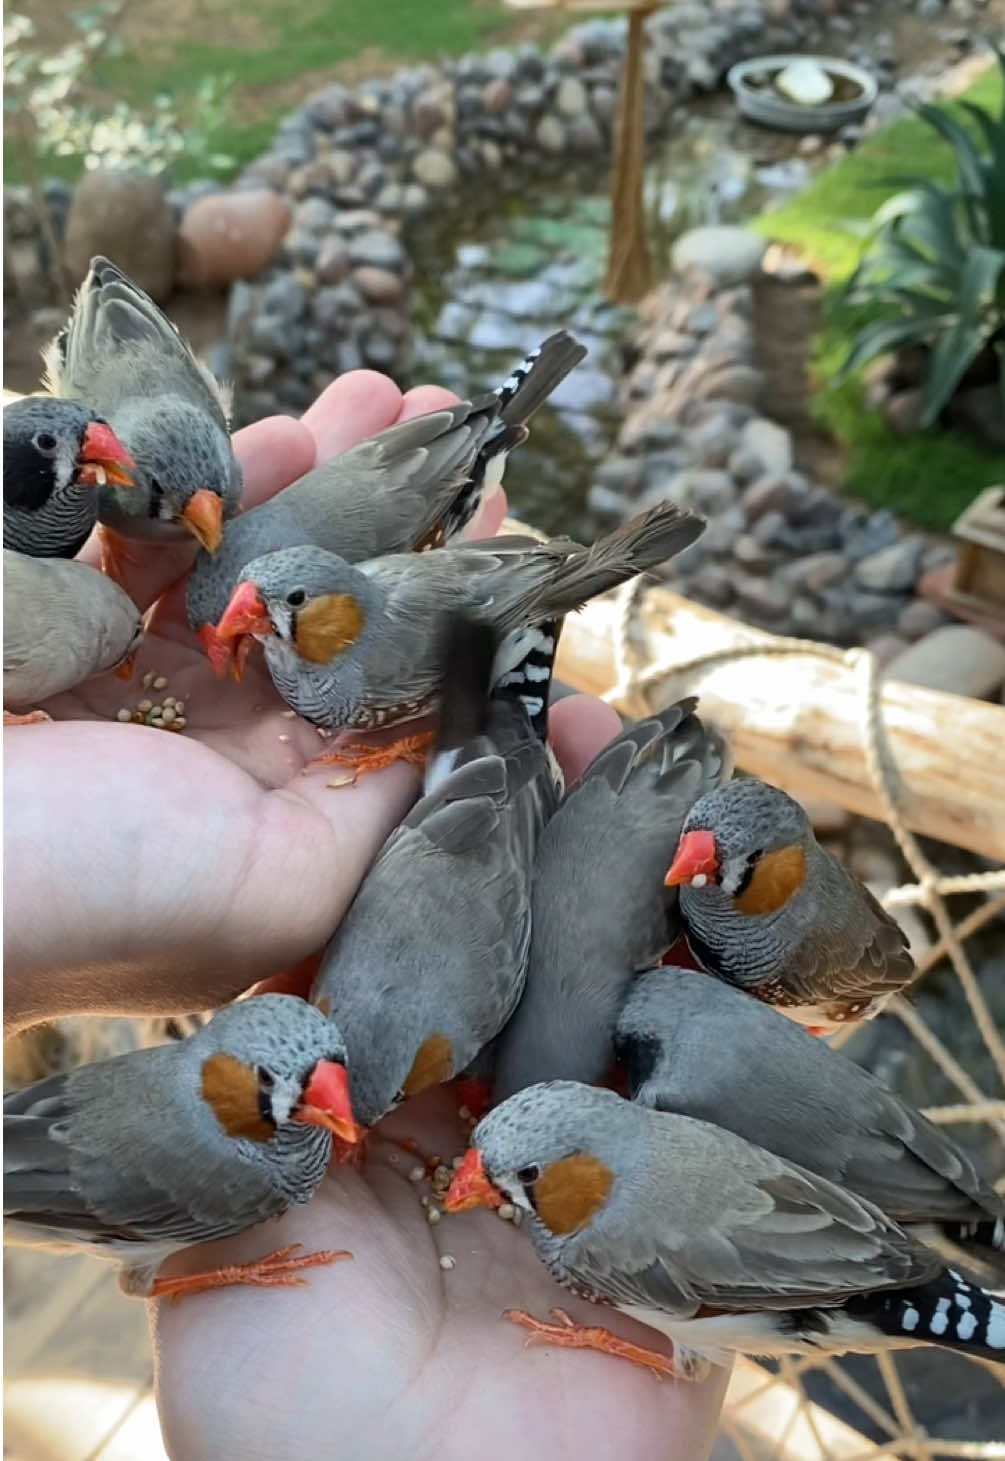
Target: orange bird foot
{"x": 361, "y": 759}
{"x": 114, "y": 554}
{"x": 34, "y": 717}
{"x": 567, "y": 1334}
{"x": 276, "y": 1270}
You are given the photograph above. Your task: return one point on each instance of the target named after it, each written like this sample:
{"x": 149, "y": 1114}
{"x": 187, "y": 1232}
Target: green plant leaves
{"x": 975, "y": 323}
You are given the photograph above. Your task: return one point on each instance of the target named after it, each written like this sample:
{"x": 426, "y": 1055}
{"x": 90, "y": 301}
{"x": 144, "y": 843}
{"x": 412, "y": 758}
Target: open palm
{"x": 390, "y": 1355}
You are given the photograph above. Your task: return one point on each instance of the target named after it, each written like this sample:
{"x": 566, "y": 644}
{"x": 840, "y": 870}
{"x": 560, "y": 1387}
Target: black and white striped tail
{"x": 985, "y": 1236}
{"x": 523, "y": 668}
{"x": 521, "y": 393}
{"x": 948, "y": 1311}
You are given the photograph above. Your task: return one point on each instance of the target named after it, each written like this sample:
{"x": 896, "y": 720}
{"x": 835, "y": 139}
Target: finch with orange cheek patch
{"x": 134, "y": 1158}
{"x": 428, "y": 963}
{"x": 416, "y": 485}
{"x": 766, "y": 908}
{"x": 687, "y": 1040}
{"x": 714, "y": 1242}
{"x": 360, "y": 647}
{"x": 121, "y": 355}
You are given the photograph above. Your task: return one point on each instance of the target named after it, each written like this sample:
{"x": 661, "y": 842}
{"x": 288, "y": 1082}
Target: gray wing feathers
{"x": 743, "y": 1228}
{"x": 107, "y": 338}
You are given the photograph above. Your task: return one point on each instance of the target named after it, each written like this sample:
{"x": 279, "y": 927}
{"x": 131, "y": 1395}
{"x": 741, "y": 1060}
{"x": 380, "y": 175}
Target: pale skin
{"x": 190, "y": 866}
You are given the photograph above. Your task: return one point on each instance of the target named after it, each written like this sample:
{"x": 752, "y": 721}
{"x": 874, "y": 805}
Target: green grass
{"x": 929, "y": 476}
{"x": 277, "y": 43}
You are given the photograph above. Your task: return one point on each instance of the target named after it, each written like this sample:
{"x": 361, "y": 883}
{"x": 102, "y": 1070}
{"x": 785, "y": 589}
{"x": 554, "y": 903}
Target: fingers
{"x": 273, "y": 453}
{"x": 578, "y": 728}
{"x": 353, "y": 407}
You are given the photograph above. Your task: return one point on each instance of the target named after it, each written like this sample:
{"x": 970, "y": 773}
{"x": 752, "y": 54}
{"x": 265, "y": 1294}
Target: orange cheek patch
{"x": 327, "y": 626}
{"x": 776, "y": 877}
{"x": 569, "y": 1192}
{"x": 230, "y": 1088}
{"x": 432, "y": 1066}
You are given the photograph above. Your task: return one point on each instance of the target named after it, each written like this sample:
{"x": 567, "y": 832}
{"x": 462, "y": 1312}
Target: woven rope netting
{"x": 793, "y": 1426}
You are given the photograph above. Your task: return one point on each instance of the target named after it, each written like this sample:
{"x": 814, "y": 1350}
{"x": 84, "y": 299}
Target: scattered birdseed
{"x": 441, "y": 1175}
{"x": 348, "y": 780}
{"x": 464, "y": 1113}
{"x": 124, "y": 715}
{"x": 416, "y": 1174}
{"x": 433, "y": 1215}
{"x": 446, "y": 1261}
{"x": 423, "y": 1201}
{"x": 506, "y": 1211}
{"x": 160, "y": 683}
{"x": 457, "y": 1162}
{"x": 517, "y": 1216}
{"x": 169, "y": 713}
{"x": 168, "y": 701}
{"x": 179, "y": 706}
{"x": 180, "y": 722}
{"x": 157, "y": 722}
{"x": 147, "y": 680}
{"x": 284, "y": 739}
{"x": 288, "y": 714}
{"x": 145, "y": 706}
{"x": 393, "y": 1158}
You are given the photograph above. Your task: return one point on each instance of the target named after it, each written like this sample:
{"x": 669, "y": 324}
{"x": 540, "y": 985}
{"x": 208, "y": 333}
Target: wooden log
{"x": 798, "y": 721}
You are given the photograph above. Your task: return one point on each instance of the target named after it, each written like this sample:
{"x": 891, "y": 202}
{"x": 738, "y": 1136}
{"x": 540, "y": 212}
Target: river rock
{"x": 892, "y": 569}
{"x": 126, "y": 216}
{"x": 434, "y": 169}
{"x": 230, "y": 236}
{"x": 570, "y": 98}
{"x": 770, "y": 443}
{"x": 550, "y": 134}
{"x": 957, "y": 658}
{"x": 724, "y": 254}
{"x": 381, "y": 286}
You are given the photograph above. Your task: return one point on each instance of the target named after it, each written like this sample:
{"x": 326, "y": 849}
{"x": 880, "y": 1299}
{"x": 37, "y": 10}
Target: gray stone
{"x": 454, "y": 322}
{"x": 379, "y": 285}
{"x": 604, "y": 102}
{"x": 712, "y": 442}
{"x": 332, "y": 263}
{"x": 607, "y": 504}
{"x": 886, "y": 646}
{"x": 622, "y": 475}
{"x": 584, "y": 390}
{"x": 862, "y": 534}
{"x": 761, "y": 597}
{"x": 920, "y": 617}
{"x": 337, "y": 303}
{"x": 753, "y": 555}
{"x": 391, "y": 199}
{"x": 745, "y": 465}
{"x": 570, "y": 98}
{"x": 712, "y": 584}
{"x": 873, "y": 611}
{"x": 314, "y": 215}
{"x": 274, "y": 335}
{"x": 584, "y": 134}
{"x": 902, "y": 411}
{"x": 770, "y": 529}
{"x": 415, "y": 200}
{"x": 284, "y": 296}
{"x": 434, "y": 169}
{"x": 767, "y": 494}
{"x": 668, "y": 344}
{"x": 817, "y": 571}
{"x": 891, "y": 570}
{"x": 703, "y": 319}
{"x": 724, "y": 254}
{"x": 497, "y": 96}
{"x": 496, "y": 332}
{"x": 550, "y": 134}
{"x": 771, "y": 443}
{"x": 711, "y": 492}
{"x": 379, "y": 249}
{"x": 722, "y": 532}
{"x": 957, "y": 658}
{"x": 379, "y": 351}
{"x": 741, "y": 383}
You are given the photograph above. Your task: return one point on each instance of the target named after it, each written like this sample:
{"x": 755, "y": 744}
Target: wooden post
{"x": 629, "y": 272}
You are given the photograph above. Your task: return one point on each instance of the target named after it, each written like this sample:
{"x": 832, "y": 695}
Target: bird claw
{"x": 33, "y": 717}
{"x": 564, "y": 1332}
{"x": 279, "y": 1269}
{"x": 362, "y": 759}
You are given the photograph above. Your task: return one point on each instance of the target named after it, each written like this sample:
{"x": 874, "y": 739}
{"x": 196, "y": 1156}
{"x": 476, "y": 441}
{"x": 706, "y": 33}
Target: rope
{"x": 929, "y": 890}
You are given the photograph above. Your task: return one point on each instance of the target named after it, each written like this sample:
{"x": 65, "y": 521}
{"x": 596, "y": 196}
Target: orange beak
{"x": 124, "y": 669}
{"x": 695, "y": 858}
{"x": 104, "y": 459}
{"x": 326, "y": 1103}
{"x": 471, "y": 1187}
{"x": 245, "y": 614}
{"x": 203, "y": 516}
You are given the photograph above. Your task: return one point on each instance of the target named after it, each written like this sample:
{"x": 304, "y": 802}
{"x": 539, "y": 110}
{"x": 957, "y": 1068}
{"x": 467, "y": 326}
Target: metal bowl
{"x": 767, "y": 106}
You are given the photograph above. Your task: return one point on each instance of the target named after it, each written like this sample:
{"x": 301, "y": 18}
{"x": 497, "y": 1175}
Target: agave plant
{"x": 937, "y": 255}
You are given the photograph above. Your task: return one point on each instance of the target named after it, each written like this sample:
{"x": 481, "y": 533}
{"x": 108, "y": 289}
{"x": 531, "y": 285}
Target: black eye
{"x": 266, "y": 1080}
{"x": 296, "y": 597}
{"x": 45, "y": 442}
{"x": 527, "y": 1175}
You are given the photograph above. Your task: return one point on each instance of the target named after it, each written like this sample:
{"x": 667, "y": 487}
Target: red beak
{"x": 695, "y": 858}
{"x": 104, "y": 458}
{"x": 471, "y": 1187}
{"x": 326, "y": 1103}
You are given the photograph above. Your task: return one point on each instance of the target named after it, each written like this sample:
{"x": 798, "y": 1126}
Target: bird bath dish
{"x": 830, "y": 92}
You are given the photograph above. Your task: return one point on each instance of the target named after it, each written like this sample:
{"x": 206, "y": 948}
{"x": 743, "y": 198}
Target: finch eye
{"x": 296, "y": 597}
{"x": 266, "y": 1080}
{"x": 45, "y": 442}
{"x": 527, "y": 1175}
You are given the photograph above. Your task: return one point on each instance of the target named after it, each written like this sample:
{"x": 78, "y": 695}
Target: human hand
{"x": 390, "y": 1355}
{"x": 153, "y": 872}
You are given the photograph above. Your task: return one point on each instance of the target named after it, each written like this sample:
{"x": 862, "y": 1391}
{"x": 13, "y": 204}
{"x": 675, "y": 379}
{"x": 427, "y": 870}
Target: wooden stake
{"x": 629, "y": 272}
